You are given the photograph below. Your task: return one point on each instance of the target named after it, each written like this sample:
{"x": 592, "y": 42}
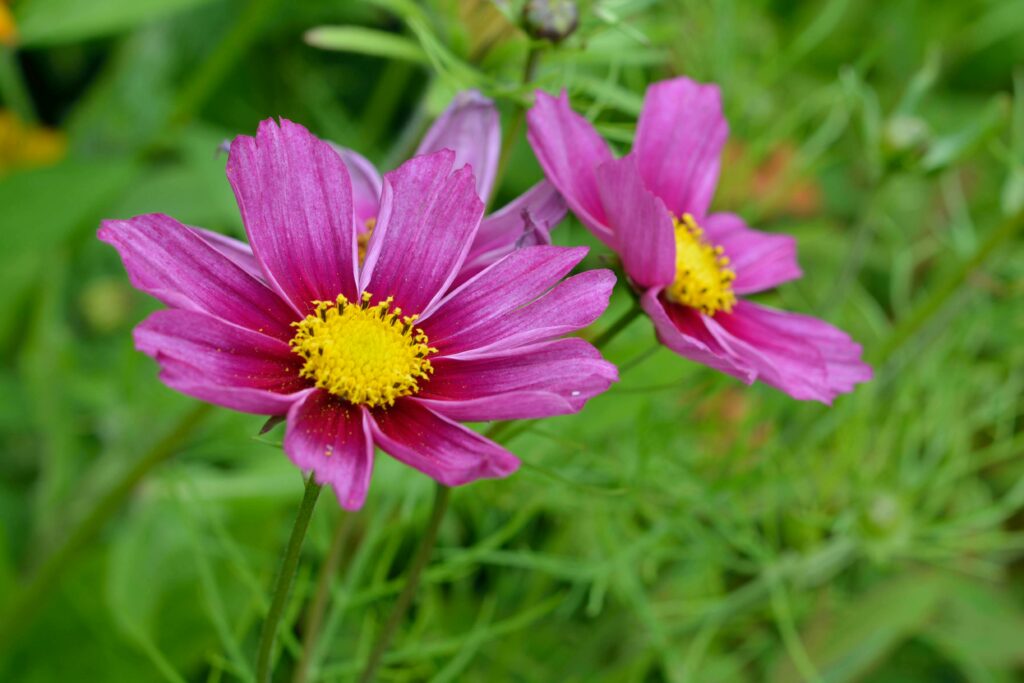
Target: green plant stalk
{"x": 931, "y": 305}
{"x": 516, "y": 124}
{"x": 621, "y": 323}
{"x": 285, "y": 578}
{"x": 412, "y": 581}
{"x": 28, "y": 603}
{"x": 315, "y": 617}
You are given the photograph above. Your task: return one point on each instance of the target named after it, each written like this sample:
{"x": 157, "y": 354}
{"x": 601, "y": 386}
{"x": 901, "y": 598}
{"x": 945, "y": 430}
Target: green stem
{"x": 920, "y": 316}
{"x": 516, "y": 124}
{"x": 13, "y": 88}
{"x": 28, "y": 603}
{"x": 412, "y": 581}
{"x": 639, "y": 358}
{"x": 618, "y": 326}
{"x": 315, "y": 616}
{"x": 285, "y": 576}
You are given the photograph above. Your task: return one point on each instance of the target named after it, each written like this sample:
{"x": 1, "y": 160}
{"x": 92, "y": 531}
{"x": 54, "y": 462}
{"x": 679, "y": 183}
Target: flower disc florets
{"x": 703, "y": 277}
{"x": 368, "y": 355}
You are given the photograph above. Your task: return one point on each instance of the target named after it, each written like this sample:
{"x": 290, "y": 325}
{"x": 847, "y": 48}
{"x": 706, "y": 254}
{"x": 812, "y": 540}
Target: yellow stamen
{"x": 703, "y": 278}
{"x": 370, "y": 355}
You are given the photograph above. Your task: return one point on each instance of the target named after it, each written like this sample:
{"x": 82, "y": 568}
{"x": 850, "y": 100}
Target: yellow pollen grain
{"x": 703, "y": 277}
{"x": 368, "y": 355}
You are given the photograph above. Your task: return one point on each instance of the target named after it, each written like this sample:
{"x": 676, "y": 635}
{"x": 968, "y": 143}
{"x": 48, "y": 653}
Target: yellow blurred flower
{"x": 27, "y": 146}
{"x": 8, "y": 31}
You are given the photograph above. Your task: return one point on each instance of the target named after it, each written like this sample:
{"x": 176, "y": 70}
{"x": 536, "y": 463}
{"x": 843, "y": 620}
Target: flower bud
{"x": 553, "y": 20}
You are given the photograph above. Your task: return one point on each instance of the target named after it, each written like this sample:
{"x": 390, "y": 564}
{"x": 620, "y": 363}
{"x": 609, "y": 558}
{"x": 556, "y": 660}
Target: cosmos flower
{"x": 362, "y": 353}
{"x": 691, "y": 267}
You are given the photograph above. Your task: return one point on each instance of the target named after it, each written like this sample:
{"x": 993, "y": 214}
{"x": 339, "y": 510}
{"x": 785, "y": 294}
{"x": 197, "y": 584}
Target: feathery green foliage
{"x": 683, "y": 527}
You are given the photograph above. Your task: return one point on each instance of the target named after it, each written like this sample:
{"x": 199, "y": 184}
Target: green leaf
{"x": 846, "y": 643}
{"x": 950, "y": 148}
{"x": 1013, "y": 192}
{"x": 609, "y": 93}
{"x": 366, "y": 41}
{"x": 51, "y": 22}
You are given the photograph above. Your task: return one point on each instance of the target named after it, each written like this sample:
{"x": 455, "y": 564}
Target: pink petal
{"x": 215, "y": 361}
{"x": 678, "y": 144}
{"x": 440, "y": 448}
{"x": 520, "y": 300}
{"x": 183, "y": 269}
{"x": 644, "y": 236}
{"x": 366, "y": 185}
{"x": 682, "y": 330}
{"x": 570, "y": 150}
{"x": 524, "y": 222}
{"x": 470, "y": 128}
{"x": 428, "y": 219}
{"x": 237, "y": 251}
{"x": 760, "y": 260}
{"x": 332, "y": 438}
{"x": 296, "y": 201}
{"x": 805, "y": 357}
{"x": 553, "y": 378}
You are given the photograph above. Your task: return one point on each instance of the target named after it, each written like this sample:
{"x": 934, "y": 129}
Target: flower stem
{"x": 285, "y": 576}
{"x": 29, "y": 601}
{"x": 516, "y": 124}
{"x": 639, "y": 358}
{"x": 315, "y": 616}
{"x": 618, "y": 326}
{"x": 412, "y": 581}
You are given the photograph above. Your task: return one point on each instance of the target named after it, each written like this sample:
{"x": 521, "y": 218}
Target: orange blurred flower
{"x": 8, "y": 31}
{"x": 777, "y": 183}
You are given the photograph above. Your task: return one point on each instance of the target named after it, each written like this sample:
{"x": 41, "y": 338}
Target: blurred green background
{"x": 683, "y": 527}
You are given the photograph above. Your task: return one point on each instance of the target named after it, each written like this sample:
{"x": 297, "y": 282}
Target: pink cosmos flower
{"x": 470, "y": 127}
{"x": 362, "y": 353}
{"x": 692, "y": 267}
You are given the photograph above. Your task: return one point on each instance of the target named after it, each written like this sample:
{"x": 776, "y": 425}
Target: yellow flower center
{"x": 703, "y": 278}
{"x": 368, "y": 355}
